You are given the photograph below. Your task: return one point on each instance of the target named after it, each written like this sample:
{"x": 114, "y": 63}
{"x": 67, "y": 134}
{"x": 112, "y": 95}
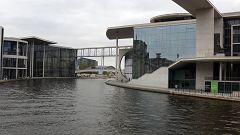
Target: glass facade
{"x": 38, "y": 61}
{"x": 50, "y": 61}
{"x": 59, "y": 62}
{"x": 183, "y": 77}
{"x": 159, "y": 46}
{"x": 22, "y": 49}
{"x": 227, "y": 36}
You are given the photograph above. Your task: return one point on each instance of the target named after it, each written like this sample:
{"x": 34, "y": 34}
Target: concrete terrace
{"x": 181, "y": 92}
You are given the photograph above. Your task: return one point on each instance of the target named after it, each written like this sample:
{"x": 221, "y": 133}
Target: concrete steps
{"x": 158, "y": 78}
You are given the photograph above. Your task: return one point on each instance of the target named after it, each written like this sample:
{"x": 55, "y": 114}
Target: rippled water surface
{"x": 70, "y": 106}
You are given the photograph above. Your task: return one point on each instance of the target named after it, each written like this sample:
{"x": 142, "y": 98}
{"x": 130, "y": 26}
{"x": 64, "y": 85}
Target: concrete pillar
{"x": 220, "y": 71}
{"x": 225, "y": 72}
{"x": 32, "y": 61}
{"x": 203, "y": 70}
{"x": 205, "y": 32}
{"x": 117, "y": 53}
{"x": 44, "y": 52}
{"x": 17, "y": 54}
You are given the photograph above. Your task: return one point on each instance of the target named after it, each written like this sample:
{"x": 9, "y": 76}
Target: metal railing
{"x": 230, "y": 95}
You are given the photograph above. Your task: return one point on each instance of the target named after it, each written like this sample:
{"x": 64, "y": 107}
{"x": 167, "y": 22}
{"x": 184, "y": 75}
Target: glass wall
{"x": 159, "y": 46}
{"x": 9, "y": 73}
{"x": 67, "y": 62}
{"x": 183, "y": 77}
{"x": 227, "y": 36}
{"x": 38, "y": 60}
{"x": 59, "y": 62}
{"x": 52, "y": 61}
{"x": 22, "y": 49}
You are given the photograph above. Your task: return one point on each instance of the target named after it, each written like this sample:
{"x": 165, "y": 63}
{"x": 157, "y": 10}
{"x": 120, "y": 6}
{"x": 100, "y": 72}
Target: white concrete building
{"x": 195, "y": 50}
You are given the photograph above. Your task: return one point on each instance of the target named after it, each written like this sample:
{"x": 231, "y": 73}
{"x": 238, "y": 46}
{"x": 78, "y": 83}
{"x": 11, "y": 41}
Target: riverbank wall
{"x": 35, "y": 78}
{"x": 196, "y": 93}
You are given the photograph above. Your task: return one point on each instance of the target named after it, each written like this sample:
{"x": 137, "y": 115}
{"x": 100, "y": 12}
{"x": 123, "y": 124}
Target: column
{"x": 117, "y": 54}
{"x": 220, "y": 71}
{"x": 17, "y": 54}
{"x": 32, "y": 58}
{"x": 44, "y": 52}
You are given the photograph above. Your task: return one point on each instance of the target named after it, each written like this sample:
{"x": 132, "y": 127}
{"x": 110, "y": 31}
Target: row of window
{"x": 10, "y": 48}
{"x": 13, "y": 63}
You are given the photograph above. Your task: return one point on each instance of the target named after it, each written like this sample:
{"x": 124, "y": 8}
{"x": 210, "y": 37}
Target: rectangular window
{"x": 9, "y": 62}
{"x": 10, "y": 48}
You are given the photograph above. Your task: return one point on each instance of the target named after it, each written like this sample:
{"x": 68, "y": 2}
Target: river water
{"x": 89, "y": 107}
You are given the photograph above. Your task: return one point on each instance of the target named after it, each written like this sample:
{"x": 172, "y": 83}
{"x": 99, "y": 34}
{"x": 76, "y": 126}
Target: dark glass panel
{"x": 9, "y": 62}
{"x": 10, "y": 48}
{"x": 159, "y": 46}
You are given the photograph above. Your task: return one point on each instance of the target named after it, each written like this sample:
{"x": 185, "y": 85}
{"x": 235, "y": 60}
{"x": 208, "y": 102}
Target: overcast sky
{"x": 83, "y": 23}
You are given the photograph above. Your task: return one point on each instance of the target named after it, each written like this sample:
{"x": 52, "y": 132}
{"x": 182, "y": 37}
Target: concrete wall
{"x": 203, "y": 70}
{"x": 119, "y": 75}
{"x": 205, "y": 32}
{"x": 1, "y": 45}
{"x": 159, "y": 78}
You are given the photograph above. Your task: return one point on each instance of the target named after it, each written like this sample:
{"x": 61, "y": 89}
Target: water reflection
{"x": 69, "y": 106}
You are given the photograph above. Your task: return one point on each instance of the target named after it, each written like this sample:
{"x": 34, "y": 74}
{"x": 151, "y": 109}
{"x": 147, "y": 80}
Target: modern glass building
{"x": 33, "y": 57}
{"x": 185, "y": 50}
{"x": 47, "y": 60}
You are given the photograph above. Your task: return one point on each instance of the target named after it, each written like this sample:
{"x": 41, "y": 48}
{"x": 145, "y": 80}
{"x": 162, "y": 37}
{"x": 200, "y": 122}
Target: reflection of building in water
{"x": 143, "y": 63}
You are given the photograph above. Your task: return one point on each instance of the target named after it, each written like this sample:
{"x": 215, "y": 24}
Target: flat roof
{"x": 38, "y": 41}
{"x": 127, "y": 31}
{"x": 172, "y": 16}
{"x": 14, "y": 39}
{"x": 204, "y": 59}
{"x": 120, "y": 32}
{"x": 193, "y": 5}
{"x": 63, "y": 47}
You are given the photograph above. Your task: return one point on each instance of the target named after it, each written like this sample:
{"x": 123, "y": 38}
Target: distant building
{"x": 97, "y": 70}
{"x": 33, "y": 57}
{"x": 84, "y": 63}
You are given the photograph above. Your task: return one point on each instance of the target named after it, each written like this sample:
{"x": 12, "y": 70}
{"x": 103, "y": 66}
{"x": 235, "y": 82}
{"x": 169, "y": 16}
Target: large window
{"x": 159, "y": 46}
{"x": 59, "y": 62}
{"x": 10, "y": 48}
{"x": 9, "y": 62}
{"x": 22, "y": 63}
{"x": 228, "y": 23}
{"x": 38, "y": 60}
{"x": 22, "y": 49}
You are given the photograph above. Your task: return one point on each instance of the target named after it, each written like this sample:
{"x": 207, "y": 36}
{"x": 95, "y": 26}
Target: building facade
{"x": 33, "y": 57}
{"x": 14, "y": 58}
{"x": 186, "y": 50}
